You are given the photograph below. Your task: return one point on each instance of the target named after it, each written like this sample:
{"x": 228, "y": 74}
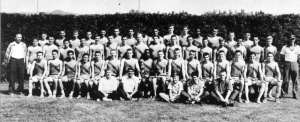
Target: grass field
{"x": 21, "y": 108}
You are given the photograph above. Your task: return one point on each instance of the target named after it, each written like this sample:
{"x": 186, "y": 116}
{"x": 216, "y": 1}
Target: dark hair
{"x": 238, "y": 51}
{"x": 176, "y": 49}
{"x": 39, "y": 52}
{"x": 85, "y": 54}
{"x": 70, "y": 45}
{"x": 222, "y": 71}
{"x": 97, "y": 52}
{"x": 221, "y": 51}
{"x": 55, "y": 51}
{"x": 270, "y": 53}
{"x": 145, "y": 56}
{"x": 70, "y": 51}
{"x": 205, "y": 54}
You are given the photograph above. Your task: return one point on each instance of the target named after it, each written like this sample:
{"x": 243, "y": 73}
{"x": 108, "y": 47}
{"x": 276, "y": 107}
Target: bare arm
{"x": 45, "y": 71}
{"x": 121, "y": 67}
{"x": 278, "y": 71}
{"x": 31, "y": 69}
{"x": 138, "y": 68}
{"x": 92, "y": 70}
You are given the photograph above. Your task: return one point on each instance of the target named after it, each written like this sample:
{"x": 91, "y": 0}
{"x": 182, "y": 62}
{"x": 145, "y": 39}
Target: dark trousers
{"x": 290, "y": 72}
{"x": 114, "y": 95}
{"x": 212, "y": 95}
{"x": 16, "y": 73}
{"x": 122, "y": 93}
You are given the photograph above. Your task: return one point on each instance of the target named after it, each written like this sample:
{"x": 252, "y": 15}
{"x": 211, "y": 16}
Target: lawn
{"x": 21, "y": 108}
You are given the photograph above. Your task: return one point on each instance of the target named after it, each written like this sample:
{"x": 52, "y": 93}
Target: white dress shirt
{"x": 16, "y": 50}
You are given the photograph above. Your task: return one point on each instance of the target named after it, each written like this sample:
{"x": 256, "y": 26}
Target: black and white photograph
{"x": 150, "y": 60}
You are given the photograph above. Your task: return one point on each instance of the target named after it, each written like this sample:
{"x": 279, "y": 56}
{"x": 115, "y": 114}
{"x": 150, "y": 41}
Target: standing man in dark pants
{"x": 290, "y": 52}
{"x": 15, "y": 55}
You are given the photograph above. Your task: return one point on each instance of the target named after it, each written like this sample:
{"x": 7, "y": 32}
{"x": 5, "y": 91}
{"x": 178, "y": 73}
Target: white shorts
{"x": 67, "y": 78}
{"x": 51, "y": 78}
{"x": 84, "y": 77}
{"x": 272, "y": 80}
{"x": 36, "y": 78}
{"x": 253, "y": 81}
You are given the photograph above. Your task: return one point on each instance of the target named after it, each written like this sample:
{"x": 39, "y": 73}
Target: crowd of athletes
{"x": 172, "y": 68}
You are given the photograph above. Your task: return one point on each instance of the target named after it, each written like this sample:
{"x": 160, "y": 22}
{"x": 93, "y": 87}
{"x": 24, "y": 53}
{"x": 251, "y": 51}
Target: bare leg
{"x": 154, "y": 81}
{"x": 79, "y": 88}
{"x": 261, "y": 92}
{"x": 247, "y": 84}
{"x": 48, "y": 88}
{"x": 55, "y": 88}
{"x": 278, "y": 91}
{"x": 42, "y": 87}
{"x": 89, "y": 88}
{"x": 164, "y": 96}
{"x": 241, "y": 91}
{"x": 73, "y": 81}
{"x": 61, "y": 86}
{"x": 266, "y": 93}
{"x": 30, "y": 87}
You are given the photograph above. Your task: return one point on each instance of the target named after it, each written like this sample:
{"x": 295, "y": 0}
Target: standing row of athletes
{"x": 172, "y": 67}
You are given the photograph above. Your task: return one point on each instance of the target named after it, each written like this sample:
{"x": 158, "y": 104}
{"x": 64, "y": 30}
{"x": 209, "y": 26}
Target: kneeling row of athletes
{"x": 222, "y": 80}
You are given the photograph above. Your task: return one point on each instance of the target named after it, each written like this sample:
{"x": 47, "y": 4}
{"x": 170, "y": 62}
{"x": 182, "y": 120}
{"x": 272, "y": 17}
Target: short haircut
{"x": 39, "y": 52}
{"x": 160, "y": 51}
{"x": 238, "y": 51}
{"x": 176, "y": 49}
{"x": 192, "y": 51}
{"x": 223, "y": 71}
{"x": 97, "y": 52}
{"x": 270, "y": 53}
{"x": 252, "y": 53}
{"x": 70, "y": 51}
{"x": 113, "y": 50}
{"x": 205, "y": 54}
{"x": 56, "y": 51}
{"x": 85, "y": 54}
{"x": 221, "y": 51}
{"x": 129, "y": 49}
{"x": 189, "y": 37}
{"x": 173, "y": 36}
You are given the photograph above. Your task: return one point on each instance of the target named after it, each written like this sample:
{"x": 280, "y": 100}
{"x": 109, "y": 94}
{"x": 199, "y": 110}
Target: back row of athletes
{"x": 159, "y": 65}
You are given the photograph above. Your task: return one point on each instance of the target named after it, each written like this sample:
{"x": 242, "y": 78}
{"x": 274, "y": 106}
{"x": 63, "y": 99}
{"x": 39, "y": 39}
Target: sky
{"x": 197, "y": 7}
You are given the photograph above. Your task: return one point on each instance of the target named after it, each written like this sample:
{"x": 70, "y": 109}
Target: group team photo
{"x": 183, "y": 68}
{"x": 149, "y": 60}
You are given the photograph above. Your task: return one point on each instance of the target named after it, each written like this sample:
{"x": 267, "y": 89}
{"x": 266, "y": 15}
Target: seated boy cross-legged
{"x": 107, "y": 87}
{"x": 195, "y": 89}
{"x": 176, "y": 92}
{"x": 223, "y": 90}
{"x": 129, "y": 86}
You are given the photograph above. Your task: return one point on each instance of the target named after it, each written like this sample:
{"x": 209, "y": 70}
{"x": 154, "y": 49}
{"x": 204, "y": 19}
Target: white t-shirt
{"x": 108, "y": 85}
{"x": 290, "y": 55}
{"x": 129, "y": 84}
